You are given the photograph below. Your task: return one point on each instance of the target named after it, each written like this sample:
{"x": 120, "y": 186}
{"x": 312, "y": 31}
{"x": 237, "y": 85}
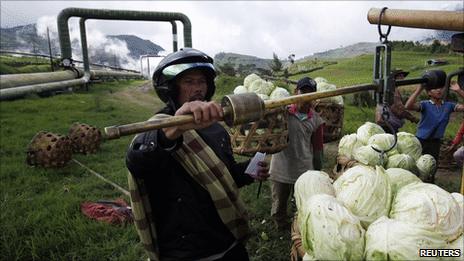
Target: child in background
{"x": 435, "y": 115}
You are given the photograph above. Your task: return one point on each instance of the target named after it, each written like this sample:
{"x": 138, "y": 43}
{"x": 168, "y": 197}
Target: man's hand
{"x": 263, "y": 171}
{"x": 454, "y": 86}
{"x": 204, "y": 114}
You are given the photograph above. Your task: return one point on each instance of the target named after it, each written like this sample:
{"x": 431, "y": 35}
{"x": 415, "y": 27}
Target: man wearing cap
{"x": 184, "y": 179}
{"x": 397, "y": 111}
{"x": 435, "y": 115}
{"x": 304, "y": 152}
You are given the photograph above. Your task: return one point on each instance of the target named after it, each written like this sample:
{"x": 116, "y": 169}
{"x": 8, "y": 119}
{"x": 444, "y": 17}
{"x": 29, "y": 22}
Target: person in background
{"x": 187, "y": 175}
{"x": 397, "y": 111}
{"x": 458, "y": 151}
{"x": 304, "y": 152}
{"x": 435, "y": 115}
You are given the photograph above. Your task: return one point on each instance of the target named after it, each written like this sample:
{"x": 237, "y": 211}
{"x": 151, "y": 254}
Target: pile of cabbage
{"x": 323, "y": 85}
{"x": 264, "y": 89}
{"x": 406, "y": 154}
{"x": 378, "y": 209}
{"x": 370, "y": 213}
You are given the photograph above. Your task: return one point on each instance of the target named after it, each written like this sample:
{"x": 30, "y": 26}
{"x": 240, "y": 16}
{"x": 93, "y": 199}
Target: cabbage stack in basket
{"x": 265, "y": 89}
{"x": 378, "y": 209}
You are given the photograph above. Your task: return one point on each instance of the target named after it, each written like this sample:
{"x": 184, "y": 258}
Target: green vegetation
{"x": 359, "y": 69}
{"x": 276, "y": 65}
{"x": 435, "y": 47}
{"x": 41, "y": 218}
{"x": 12, "y": 64}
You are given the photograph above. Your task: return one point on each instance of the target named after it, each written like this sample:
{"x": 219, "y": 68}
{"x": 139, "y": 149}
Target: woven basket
{"x": 85, "y": 139}
{"x": 269, "y": 135}
{"x": 343, "y": 164}
{"x": 332, "y": 114}
{"x": 49, "y": 150}
{"x": 296, "y": 251}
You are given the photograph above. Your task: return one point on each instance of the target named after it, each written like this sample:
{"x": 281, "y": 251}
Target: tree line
{"x": 436, "y": 46}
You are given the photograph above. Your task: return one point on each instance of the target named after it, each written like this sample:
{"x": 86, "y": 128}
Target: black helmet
{"x": 176, "y": 63}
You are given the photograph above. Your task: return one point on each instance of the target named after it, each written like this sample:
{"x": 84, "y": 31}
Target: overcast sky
{"x": 256, "y": 28}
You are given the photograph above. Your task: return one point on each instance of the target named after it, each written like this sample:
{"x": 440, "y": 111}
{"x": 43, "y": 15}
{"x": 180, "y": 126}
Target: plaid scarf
{"x": 210, "y": 172}
{"x": 200, "y": 161}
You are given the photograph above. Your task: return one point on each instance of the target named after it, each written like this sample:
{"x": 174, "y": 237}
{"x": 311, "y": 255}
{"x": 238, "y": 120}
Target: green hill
{"x": 357, "y": 70}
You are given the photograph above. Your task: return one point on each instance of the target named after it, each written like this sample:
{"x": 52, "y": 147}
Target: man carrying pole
{"x": 184, "y": 180}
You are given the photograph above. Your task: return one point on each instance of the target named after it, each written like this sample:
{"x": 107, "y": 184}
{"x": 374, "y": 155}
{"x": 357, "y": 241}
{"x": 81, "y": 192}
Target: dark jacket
{"x": 187, "y": 223}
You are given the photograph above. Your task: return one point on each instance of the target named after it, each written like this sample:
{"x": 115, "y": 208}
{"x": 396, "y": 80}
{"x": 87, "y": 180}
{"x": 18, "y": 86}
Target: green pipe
{"x": 103, "y": 73}
{"x": 12, "y": 93}
{"x": 16, "y": 80}
{"x": 65, "y": 14}
{"x": 84, "y": 46}
{"x": 85, "y": 53}
{"x": 174, "y": 36}
{"x": 24, "y": 79}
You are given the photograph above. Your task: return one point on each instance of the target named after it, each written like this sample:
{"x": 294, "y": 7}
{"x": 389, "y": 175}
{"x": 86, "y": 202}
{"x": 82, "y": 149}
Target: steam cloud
{"x": 100, "y": 47}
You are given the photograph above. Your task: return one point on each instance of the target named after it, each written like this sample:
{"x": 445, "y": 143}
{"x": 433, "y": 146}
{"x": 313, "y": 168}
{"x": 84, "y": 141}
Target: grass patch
{"x": 12, "y": 64}
{"x": 41, "y": 219}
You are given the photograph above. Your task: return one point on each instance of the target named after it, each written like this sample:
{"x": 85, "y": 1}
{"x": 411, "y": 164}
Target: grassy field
{"x": 13, "y": 64}
{"x": 41, "y": 218}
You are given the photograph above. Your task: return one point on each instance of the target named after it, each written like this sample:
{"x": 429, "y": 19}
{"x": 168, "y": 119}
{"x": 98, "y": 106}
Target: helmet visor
{"x": 172, "y": 71}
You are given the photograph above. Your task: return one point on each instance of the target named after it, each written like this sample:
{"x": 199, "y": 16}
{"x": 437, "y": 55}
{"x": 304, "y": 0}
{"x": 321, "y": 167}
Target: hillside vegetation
{"x": 13, "y": 64}
{"x": 41, "y": 218}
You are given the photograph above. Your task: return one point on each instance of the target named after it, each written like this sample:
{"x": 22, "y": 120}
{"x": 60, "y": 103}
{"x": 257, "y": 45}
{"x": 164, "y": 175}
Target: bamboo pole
{"x": 114, "y": 132}
{"x": 426, "y": 19}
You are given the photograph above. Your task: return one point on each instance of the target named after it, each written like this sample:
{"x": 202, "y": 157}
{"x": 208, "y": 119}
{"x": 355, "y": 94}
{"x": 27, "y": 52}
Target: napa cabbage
{"x": 368, "y": 156}
{"x": 250, "y": 79}
{"x": 260, "y": 86}
{"x": 403, "y": 161}
{"x": 330, "y": 231}
{"x": 367, "y": 130}
{"x": 365, "y": 191}
{"x": 348, "y": 144}
{"x": 390, "y": 239}
{"x": 278, "y": 93}
{"x": 430, "y": 206}
{"x": 409, "y": 144}
{"x": 426, "y": 165}
{"x": 400, "y": 178}
{"x": 240, "y": 89}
